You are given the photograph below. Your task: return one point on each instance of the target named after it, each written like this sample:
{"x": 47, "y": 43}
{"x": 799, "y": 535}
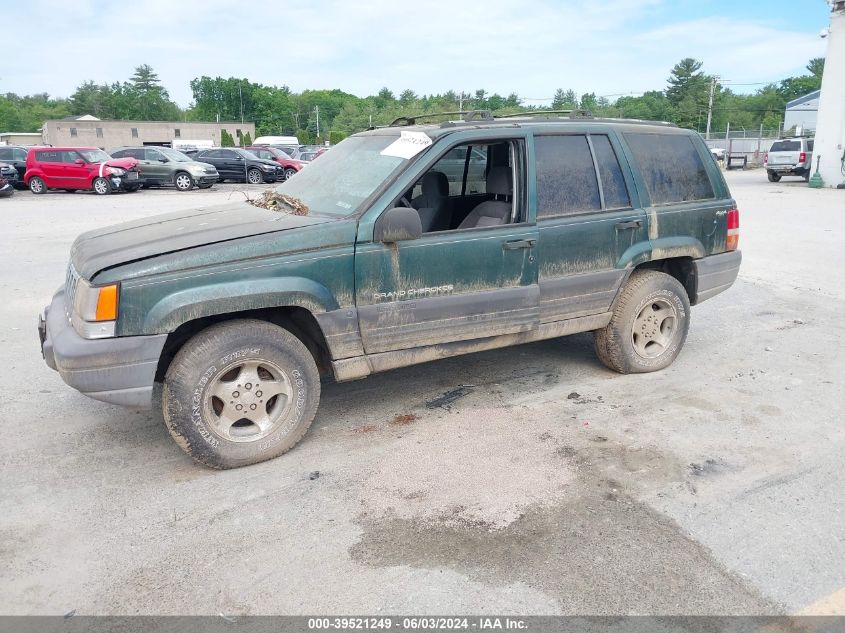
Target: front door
{"x": 77, "y": 171}
{"x": 587, "y": 220}
{"x": 154, "y": 167}
{"x": 470, "y": 281}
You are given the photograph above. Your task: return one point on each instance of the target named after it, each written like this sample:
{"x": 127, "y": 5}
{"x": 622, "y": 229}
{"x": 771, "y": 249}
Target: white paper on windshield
{"x": 408, "y": 145}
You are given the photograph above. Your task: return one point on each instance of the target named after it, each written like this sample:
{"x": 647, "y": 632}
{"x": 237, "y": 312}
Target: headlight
{"x": 95, "y": 310}
{"x": 116, "y": 171}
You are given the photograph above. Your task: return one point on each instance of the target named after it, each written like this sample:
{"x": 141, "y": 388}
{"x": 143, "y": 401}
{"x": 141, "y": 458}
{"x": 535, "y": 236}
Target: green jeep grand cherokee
{"x": 394, "y": 256}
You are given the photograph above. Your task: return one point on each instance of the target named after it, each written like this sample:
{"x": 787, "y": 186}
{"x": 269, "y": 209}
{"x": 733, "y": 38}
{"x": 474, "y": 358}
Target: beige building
{"x": 20, "y": 138}
{"x": 88, "y": 131}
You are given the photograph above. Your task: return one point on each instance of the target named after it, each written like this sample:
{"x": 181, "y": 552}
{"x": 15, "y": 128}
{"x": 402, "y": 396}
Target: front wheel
{"x": 36, "y": 185}
{"x": 773, "y": 177}
{"x": 254, "y": 177}
{"x": 239, "y": 393}
{"x": 290, "y": 172}
{"x": 101, "y": 186}
{"x": 649, "y": 324}
{"x": 184, "y": 182}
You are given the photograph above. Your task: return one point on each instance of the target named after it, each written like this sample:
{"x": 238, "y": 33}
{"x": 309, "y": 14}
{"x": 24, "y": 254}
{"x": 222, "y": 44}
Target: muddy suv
{"x": 377, "y": 257}
{"x": 790, "y": 157}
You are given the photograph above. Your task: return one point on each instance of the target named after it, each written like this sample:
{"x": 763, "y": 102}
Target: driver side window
{"x": 472, "y": 185}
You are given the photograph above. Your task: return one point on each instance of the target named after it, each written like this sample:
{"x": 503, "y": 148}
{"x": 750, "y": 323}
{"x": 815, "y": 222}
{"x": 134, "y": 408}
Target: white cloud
{"x": 531, "y": 47}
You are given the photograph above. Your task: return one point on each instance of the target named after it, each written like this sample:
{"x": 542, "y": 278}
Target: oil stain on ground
{"x": 597, "y": 551}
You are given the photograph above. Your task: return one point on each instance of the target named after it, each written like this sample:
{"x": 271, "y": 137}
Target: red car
{"x": 268, "y": 152}
{"x": 74, "y": 168}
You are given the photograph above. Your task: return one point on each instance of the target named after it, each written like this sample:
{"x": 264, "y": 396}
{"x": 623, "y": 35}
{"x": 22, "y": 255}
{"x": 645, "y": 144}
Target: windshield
{"x": 174, "y": 155}
{"x": 94, "y": 155}
{"x": 341, "y": 180}
{"x": 247, "y": 154}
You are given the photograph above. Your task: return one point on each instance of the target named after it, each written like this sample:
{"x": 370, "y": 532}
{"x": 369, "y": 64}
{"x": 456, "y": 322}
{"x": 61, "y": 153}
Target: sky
{"x": 531, "y": 47}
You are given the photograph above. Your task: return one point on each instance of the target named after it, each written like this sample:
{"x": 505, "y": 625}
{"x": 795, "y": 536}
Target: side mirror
{"x": 79, "y": 161}
{"x": 164, "y": 160}
{"x": 397, "y": 225}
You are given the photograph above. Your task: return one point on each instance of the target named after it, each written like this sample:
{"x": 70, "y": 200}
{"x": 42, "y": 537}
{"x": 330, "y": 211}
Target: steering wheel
{"x": 405, "y": 202}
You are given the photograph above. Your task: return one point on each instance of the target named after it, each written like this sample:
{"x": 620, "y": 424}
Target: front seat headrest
{"x": 435, "y": 183}
{"x": 500, "y": 181}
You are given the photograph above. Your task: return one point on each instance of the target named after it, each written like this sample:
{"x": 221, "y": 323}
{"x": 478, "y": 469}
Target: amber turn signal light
{"x": 107, "y": 304}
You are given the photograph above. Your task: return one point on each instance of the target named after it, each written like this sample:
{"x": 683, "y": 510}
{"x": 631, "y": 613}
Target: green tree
{"x": 247, "y": 140}
{"x": 226, "y": 139}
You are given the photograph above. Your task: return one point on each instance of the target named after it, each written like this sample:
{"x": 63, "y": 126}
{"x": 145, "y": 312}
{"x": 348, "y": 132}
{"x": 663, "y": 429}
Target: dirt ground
{"x": 548, "y": 485}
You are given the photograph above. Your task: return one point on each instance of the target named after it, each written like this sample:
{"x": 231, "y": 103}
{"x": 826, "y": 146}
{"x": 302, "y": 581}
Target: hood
{"x": 123, "y": 163}
{"x": 98, "y": 250}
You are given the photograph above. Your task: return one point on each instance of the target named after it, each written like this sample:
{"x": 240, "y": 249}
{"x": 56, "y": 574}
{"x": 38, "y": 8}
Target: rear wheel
{"x": 183, "y": 181}
{"x": 36, "y": 185}
{"x": 240, "y": 392}
{"x": 773, "y": 177}
{"x": 101, "y": 186}
{"x": 649, "y": 324}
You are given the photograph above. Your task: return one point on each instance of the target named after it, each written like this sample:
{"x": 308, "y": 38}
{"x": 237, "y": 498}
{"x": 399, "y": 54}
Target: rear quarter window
{"x": 671, "y": 167}
{"x": 48, "y": 157}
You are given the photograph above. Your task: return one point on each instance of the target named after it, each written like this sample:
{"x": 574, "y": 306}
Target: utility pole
{"x": 710, "y": 106}
{"x": 241, "y": 95}
{"x": 317, "y": 110}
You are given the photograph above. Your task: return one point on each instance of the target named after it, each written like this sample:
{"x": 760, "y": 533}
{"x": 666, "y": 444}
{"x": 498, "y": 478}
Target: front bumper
{"x": 714, "y": 274}
{"x": 206, "y": 179}
{"x": 118, "y": 370}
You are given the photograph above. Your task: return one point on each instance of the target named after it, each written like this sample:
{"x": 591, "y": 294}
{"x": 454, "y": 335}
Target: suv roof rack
{"x": 466, "y": 116}
{"x": 572, "y": 114}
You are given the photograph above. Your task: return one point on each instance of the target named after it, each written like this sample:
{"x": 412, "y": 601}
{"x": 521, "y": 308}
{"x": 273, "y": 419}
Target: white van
{"x": 277, "y": 140}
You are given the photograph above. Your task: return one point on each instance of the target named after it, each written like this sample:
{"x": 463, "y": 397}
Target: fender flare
{"x": 190, "y": 304}
{"x": 661, "y": 248}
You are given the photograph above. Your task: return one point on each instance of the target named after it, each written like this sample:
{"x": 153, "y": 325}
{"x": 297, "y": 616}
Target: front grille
{"x": 71, "y": 284}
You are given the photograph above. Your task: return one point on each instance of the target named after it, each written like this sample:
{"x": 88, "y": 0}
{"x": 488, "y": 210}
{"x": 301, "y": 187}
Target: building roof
{"x": 801, "y": 100}
{"x": 80, "y": 117}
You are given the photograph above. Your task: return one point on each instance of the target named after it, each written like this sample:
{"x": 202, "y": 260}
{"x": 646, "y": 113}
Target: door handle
{"x": 632, "y": 224}
{"x": 513, "y": 245}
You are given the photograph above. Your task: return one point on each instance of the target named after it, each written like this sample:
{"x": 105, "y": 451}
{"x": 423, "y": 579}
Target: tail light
{"x": 802, "y": 158}
{"x": 733, "y": 230}
{"x": 766, "y": 158}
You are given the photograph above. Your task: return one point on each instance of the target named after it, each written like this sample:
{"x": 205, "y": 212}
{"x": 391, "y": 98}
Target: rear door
{"x": 587, "y": 219}
{"x": 51, "y": 165}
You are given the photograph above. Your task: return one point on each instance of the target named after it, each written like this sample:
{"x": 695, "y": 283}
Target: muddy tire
{"x": 239, "y": 393}
{"x": 649, "y": 324}
{"x": 773, "y": 177}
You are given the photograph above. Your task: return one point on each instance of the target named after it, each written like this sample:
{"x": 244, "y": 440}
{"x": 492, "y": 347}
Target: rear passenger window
{"x": 566, "y": 176}
{"x": 48, "y": 157}
{"x": 671, "y": 167}
{"x": 5, "y": 154}
{"x": 612, "y": 181}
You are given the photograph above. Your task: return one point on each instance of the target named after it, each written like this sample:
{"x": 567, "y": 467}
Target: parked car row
{"x": 8, "y": 176}
{"x": 129, "y": 169}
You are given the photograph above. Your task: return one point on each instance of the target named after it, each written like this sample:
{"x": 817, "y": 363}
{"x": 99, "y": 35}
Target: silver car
{"x": 790, "y": 157}
{"x": 166, "y": 166}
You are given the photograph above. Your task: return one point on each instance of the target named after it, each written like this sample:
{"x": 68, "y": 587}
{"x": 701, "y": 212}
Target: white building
{"x": 830, "y": 130}
{"x": 802, "y": 112}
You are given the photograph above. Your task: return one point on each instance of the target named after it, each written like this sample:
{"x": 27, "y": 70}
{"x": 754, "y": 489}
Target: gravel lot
{"x": 551, "y": 486}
